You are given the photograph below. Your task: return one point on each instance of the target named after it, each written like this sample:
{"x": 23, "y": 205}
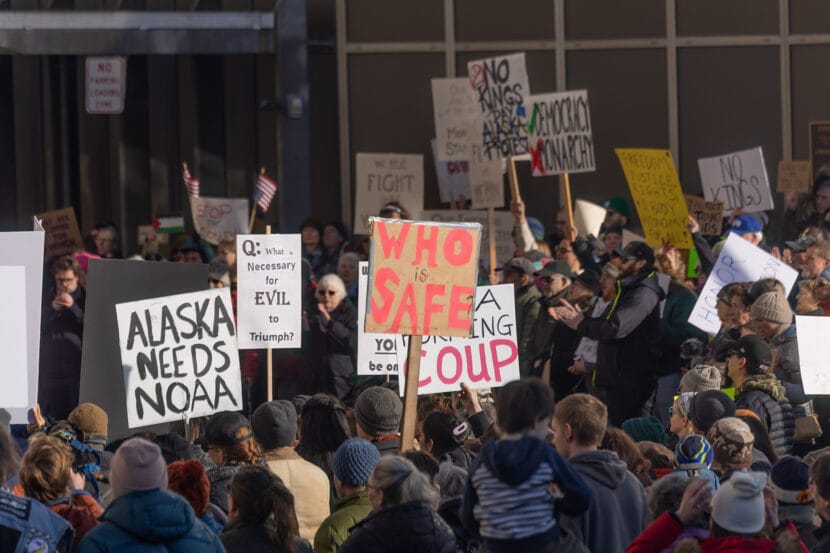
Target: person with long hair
{"x": 623, "y": 445}
{"x": 261, "y": 515}
{"x": 323, "y": 428}
{"x": 229, "y": 441}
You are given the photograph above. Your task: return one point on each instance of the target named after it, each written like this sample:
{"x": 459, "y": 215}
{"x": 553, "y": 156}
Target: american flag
{"x": 190, "y": 183}
{"x": 265, "y": 191}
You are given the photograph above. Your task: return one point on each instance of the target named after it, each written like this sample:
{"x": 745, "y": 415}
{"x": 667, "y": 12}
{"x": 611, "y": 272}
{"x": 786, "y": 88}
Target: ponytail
{"x": 261, "y": 499}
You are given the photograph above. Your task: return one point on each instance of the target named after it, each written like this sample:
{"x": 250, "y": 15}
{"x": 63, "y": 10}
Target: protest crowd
{"x": 629, "y": 425}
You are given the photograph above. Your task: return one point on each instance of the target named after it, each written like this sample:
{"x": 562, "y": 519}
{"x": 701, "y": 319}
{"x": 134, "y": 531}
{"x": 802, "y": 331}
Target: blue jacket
{"x": 26, "y": 525}
{"x": 155, "y": 521}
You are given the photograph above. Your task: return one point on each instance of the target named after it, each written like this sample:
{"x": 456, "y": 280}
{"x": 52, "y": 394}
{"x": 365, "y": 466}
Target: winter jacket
{"x": 675, "y": 327}
{"x": 628, "y": 333}
{"x": 81, "y": 511}
{"x": 333, "y": 349}
{"x": 662, "y": 532}
{"x": 348, "y": 511}
{"x": 787, "y": 365}
{"x": 450, "y": 511}
{"x": 618, "y": 510}
{"x": 27, "y": 525}
{"x": 565, "y": 341}
{"x": 527, "y": 311}
{"x": 766, "y": 397}
{"x": 543, "y": 327}
{"x": 154, "y": 521}
{"x": 308, "y": 483}
{"x": 458, "y": 456}
{"x": 412, "y": 527}
{"x": 507, "y": 501}
{"x": 60, "y": 358}
{"x": 239, "y": 537}
{"x": 220, "y": 482}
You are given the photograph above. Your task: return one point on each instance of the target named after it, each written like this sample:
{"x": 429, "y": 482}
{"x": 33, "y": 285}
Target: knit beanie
{"x": 738, "y": 505}
{"x": 188, "y": 479}
{"x": 354, "y": 461}
{"x": 645, "y": 429}
{"x": 537, "y": 229}
{"x": 275, "y": 424}
{"x": 700, "y": 378}
{"x": 137, "y": 466}
{"x": 89, "y": 419}
{"x": 732, "y": 441}
{"x": 791, "y": 481}
{"x": 378, "y": 411}
{"x": 773, "y": 307}
{"x": 707, "y": 407}
{"x": 693, "y": 452}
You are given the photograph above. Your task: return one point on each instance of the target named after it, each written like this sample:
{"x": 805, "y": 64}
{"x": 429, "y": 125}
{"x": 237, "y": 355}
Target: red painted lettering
{"x": 512, "y": 354}
{"x": 430, "y": 244}
{"x": 458, "y": 247}
{"x": 449, "y": 350}
{"x": 380, "y": 312}
{"x": 482, "y": 356}
{"x": 431, "y": 307}
{"x": 461, "y": 307}
{"x": 392, "y": 246}
{"x": 406, "y": 307}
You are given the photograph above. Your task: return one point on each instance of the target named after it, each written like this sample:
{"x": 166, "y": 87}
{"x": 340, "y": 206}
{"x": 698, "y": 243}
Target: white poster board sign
{"x": 25, "y": 249}
{"x": 376, "y": 353}
{"x": 487, "y": 184}
{"x": 383, "y": 178}
{"x": 739, "y": 261}
{"x": 453, "y": 178}
{"x": 269, "y": 290}
{"x": 738, "y": 179}
{"x": 559, "y": 134}
{"x": 501, "y": 91}
{"x": 217, "y": 219}
{"x": 179, "y": 357}
{"x": 629, "y": 236}
{"x": 588, "y": 217}
{"x": 814, "y": 354}
{"x": 456, "y": 116}
{"x": 489, "y": 359}
{"x": 14, "y": 370}
{"x": 504, "y": 228}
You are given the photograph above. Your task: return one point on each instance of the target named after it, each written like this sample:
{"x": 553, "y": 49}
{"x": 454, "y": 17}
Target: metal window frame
{"x": 560, "y": 46}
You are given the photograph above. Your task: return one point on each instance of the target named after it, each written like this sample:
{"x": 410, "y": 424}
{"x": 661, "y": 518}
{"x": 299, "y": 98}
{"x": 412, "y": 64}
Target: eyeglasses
{"x": 326, "y": 292}
{"x": 671, "y": 411}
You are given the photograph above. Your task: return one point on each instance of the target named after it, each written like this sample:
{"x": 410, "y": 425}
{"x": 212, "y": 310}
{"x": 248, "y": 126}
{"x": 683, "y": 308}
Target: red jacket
{"x": 661, "y": 533}
{"x": 81, "y": 511}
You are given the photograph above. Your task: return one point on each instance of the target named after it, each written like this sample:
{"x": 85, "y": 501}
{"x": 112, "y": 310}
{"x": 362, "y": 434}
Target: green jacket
{"x": 527, "y": 311}
{"x": 348, "y": 511}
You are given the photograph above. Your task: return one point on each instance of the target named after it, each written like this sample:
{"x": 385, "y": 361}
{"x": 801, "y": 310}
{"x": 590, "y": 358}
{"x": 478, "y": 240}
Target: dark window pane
{"x": 811, "y": 88}
{"x": 395, "y": 20}
{"x": 727, "y": 17}
{"x": 809, "y": 16}
{"x": 485, "y": 20}
{"x": 587, "y": 19}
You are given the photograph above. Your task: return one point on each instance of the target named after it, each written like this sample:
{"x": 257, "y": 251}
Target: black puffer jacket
{"x": 334, "y": 348}
{"x": 628, "y": 332}
{"x": 406, "y": 528}
{"x": 765, "y": 396}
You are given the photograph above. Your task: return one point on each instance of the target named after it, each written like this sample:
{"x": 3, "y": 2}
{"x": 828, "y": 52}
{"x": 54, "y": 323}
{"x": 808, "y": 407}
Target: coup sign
{"x": 422, "y": 277}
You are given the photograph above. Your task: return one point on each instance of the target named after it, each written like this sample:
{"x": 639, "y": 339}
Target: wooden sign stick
{"x": 491, "y": 238}
{"x": 410, "y": 396}
{"x": 568, "y": 201}
{"x": 515, "y": 195}
{"x": 269, "y": 359}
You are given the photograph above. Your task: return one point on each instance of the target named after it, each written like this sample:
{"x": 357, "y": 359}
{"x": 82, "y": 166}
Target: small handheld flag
{"x": 190, "y": 183}
{"x": 265, "y": 191}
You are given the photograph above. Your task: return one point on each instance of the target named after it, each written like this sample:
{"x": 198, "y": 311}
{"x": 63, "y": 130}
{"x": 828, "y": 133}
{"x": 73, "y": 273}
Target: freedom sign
{"x": 269, "y": 290}
{"x": 422, "y": 277}
{"x": 488, "y": 359}
{"x": 179, "y": 357}
{"x": 559, "y": 134}
{"x": 739, "y": 261}
{"x": 376, "y": 353}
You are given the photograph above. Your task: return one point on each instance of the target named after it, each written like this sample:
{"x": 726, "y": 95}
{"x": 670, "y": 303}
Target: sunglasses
{"x": 326, "y": 292}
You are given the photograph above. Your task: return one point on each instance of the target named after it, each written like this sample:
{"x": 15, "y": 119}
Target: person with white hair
{"x": 333, "y": 328}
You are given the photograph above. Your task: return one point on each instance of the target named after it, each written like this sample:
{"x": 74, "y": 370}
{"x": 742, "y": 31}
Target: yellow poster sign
{"x": 656, "y": 191}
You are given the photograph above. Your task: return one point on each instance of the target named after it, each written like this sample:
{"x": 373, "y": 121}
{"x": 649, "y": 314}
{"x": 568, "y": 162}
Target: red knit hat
{"x": 188, "y": 479}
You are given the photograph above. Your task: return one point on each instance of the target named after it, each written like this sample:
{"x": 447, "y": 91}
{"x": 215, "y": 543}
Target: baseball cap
{"x": 555, "y": 267}
{"x": 590, "y": 280}
{"x": 519, "y": 265}
{"x": 754, "y": 349}
{"x": 638, "y": 251}
{"x": 801, "y": 244}
{"x": 745, "y": 224}
{"x": 221, "y": 429}
{"x": 617, "y": 204}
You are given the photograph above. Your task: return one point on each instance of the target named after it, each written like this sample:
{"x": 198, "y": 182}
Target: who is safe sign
{"x": 269, "y": 290}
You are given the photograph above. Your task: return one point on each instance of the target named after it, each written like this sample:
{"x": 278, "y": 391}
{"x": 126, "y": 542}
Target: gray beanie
{"x": 738, "y": 505}
{"x": 772, "y": 307}
{"x": 700, "y": 379}
{"x": 275, "y": 424}
{"x": 378, "y": 411}
{"x": 137, "y": 466}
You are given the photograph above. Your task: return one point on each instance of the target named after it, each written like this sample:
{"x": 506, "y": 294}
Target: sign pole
{"x": 515, "y": 195}
{"x": 568, "y": 200}
{"x": 268, "y": 354}
{"x": 410, "y": 405}
{"x": 491, "y": 238}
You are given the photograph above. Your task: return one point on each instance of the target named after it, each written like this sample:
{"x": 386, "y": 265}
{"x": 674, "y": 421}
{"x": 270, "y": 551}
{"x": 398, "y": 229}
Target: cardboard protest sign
{"x": 488, "y": 359}
{"x": 655, "y": 188}
{"x": 588, "y": 217}
{"x": 453, "y": 178}
{"x": 383, "y": 178}
{"x": 794, "y": 176}
{"x": 422, "y": 277}
{"x": 179, "y": 357}
{"x": 630, "y": 236}
{"x": 217, "y": 219}
{"x": 14, "y": 371}
{"x": 708, "y": 214}
{"x": 487, "y": 184}
{"x": 504, "y": 222}
{"x": 376, "y": 353}
{"x": 269, "y": 290}
{"x": 813, "y": 353}
{"x": 738, "y": 179}
{"x": 111, "y": 282}
{"x": 739, "y": 261}
{"x": 559, "y": 134}
{"x": 62, "y": 233}
{"x": 501, "y": 91}
{"x": 456, "y": 117}
{"x": 819, "y": 146}
{"x": 25, "y": 249}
